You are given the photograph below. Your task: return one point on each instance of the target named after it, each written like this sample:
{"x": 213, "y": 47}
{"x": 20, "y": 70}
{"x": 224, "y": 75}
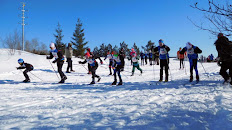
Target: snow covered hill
{"x": 138, "y": 104}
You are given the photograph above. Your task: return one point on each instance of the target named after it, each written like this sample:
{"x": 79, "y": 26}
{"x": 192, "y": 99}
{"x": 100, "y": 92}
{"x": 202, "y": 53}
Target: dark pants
{"x": 150, "y": 60}
{"x": 93, "y": 71}
{"x": 89, "y": 67}
{"x": 142, "y": 61}
{"x": 145, "y": 60}
{"x": 69, "y": 60}
{"x": 136, "y": 65}
{"x": 25, "y": 73}
{"x": 224, "y": 67}
{"x": 193, "y": 64}
{"x": 117, "y": 70}
{"x": 182, "y": 62}
{"x": 163, "y": 63}
{"x": 110, "y": 66}
{"x": 59, "y": 66}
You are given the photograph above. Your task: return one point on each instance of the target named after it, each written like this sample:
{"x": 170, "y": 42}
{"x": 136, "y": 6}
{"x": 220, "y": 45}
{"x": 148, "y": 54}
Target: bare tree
{"x": 13, "y": 42}
{"x": 218, "y": 14}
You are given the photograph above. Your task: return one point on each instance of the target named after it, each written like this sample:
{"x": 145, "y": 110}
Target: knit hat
{"x": 52, "y": 45}
{"x": 188, "y": 45}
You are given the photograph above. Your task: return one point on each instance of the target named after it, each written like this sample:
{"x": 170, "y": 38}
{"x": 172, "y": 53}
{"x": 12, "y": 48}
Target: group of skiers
{"x": 117, "y": 63}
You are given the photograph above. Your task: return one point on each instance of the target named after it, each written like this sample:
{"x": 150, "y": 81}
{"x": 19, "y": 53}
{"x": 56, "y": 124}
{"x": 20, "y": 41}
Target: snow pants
{"x": 25, "y": 73}
{"x": 164, "y": 64}
{"x": 224, "y": 67}
{"x": 193, "y": 64}
{"x": 117, "y": 70}
{"x": 69, "y": 60}
{"x": 59, "y": 66}
{"x": 93, "y": 71}
{"x": 182, "y": 62}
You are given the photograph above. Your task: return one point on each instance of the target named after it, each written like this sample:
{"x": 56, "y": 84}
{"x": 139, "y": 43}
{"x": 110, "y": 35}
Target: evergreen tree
{"x": 96, "y": 51}
{"x": 102, "y": 50}
{"x": 125, "y": 48}
{"x": 78, "y": 40}
{"x": 109, "y": 47}
{"x": 58, "y": 39}
{"x": 148, "y": 46}
{"x": 136, "y": 49}
{"x": 115, "y": 48}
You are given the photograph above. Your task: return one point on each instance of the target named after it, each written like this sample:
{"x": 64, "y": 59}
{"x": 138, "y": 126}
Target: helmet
{"x": 161, "y": 41}
{"x": 20, "y": 61}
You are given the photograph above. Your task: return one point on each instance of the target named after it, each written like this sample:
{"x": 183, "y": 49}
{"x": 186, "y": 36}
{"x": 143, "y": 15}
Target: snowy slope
{"x": 138, "y": 104}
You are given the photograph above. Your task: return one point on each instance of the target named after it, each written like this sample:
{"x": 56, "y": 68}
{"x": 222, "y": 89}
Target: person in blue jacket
{"x": 164, "y": 59}
{"x": 192, "y": 52}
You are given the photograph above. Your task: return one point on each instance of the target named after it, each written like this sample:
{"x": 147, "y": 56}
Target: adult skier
{"x": 59, "y": 59}
{"x": 142, "y": 56}
{"x": 69, "y": 54}
{"x": 110, "y": 57}
{"x": 118, "y": 66}
{"x": 93, "y": 65}
{"x": 135, "y": 62}
{"x": 145, "y": 55}
{"x": 224, "y": 49}
{"x": 164, "y": 59}
{"x": 28, "y": 67}
{"x": 192, "y": 52}
{"x": 181, "y": 57}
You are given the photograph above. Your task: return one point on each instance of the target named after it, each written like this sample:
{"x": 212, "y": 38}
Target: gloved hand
{"x": 47, "y": 57}
{"x": 219, "y": 63}
{"x": 54, "y": 61}
{"x": 17, "y": 68}
{"x": 101, "y": 62}
{"x": 122, "y": 69}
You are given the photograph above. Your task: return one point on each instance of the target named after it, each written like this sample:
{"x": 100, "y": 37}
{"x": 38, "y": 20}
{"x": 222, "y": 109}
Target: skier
{"x": 69, "y": 54}
{"x": 110, "y": 57}
{"x": 118, "y": 66}
{"x": 181, "y": 57}
{"x": 150, "y": 57}
{"x": 142, "y": 58}
{"x": 164, "y": 59}
{"x": 28, "y": 68}
{"x": 135, "y": 62}
{"x": 93, "y": 65}
{"x": 59, "y": 59}
{"x": 224, "y": 49}
{"x": 192, "y": 52}
{"x": 145, "y": 57}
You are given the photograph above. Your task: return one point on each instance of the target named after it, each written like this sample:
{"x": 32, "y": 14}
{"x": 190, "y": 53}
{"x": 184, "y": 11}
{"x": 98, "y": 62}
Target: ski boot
{"x": 26, "y": 81}
{"x": 92, "y": 82}
{"x": 132, "y": 74}
{"x": 191, "y": 79}
{"x": 110, "y": 74}
{"x": 68, "y": 72}
{"x": 114, "y": 83}
{"x": 99, "y": 78}
{"x": 120, "y": 83}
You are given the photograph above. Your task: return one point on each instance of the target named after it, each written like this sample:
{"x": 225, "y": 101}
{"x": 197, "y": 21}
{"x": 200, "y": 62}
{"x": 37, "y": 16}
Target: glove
{"x": 101, "y": 62}
{"x": 79, "y": 62}
{"x": 17, "y": 68}
{"x": 47, "y": 57}
{"x": 54, "y": 61}
{"x": 219, "y": 63}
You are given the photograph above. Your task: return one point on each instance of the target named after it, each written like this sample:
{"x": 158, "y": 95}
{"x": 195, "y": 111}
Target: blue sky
{"x": 110, "y": 21}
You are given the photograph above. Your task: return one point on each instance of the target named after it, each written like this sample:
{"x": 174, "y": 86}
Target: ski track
{"x": 134, "y": 105}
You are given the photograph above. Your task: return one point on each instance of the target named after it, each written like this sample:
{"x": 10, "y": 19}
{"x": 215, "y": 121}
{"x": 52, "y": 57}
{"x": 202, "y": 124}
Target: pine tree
{"x": 78, "y": 40}
{"x": 109, "y": 47}
{"x": 58, "y": 39}
{"x": 96, "y": 51}
{"x": 136, "y": 49}
{"x": 148, "y": 46}
{"x": 125, "y": 48}
{"x": 102, "y": 50}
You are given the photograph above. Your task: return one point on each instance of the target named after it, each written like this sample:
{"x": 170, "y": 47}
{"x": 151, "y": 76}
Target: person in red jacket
{"x": 181, "y": 57}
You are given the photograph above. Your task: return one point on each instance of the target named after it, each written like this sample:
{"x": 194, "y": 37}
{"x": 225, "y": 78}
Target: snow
{"x": 138, "y": 104}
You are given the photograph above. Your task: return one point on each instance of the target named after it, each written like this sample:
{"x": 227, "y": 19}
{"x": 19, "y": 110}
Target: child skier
{"x": 135, "y": 61}
{"x": 93, "y": 65}
{"x": 164, "y": 59}
{"x": 110, "y": 57}
{"x": 181, "y": 57}
{"x": 28, "y": 68}
{"x": 59, "y": 59}
{"x": 118, "y": 66}
{"x": 192, "y": 52}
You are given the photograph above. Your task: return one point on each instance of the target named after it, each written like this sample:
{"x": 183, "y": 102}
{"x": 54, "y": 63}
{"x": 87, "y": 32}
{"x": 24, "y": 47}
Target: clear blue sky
{"x": 110, "y": 21}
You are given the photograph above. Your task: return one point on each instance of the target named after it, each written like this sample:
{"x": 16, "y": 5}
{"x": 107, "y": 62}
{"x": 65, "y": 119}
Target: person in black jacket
{"x": 59, "y": 58}
{"x": 164, "y": 59}
{"x": 28, "y": 68}
{"x": 224, "y": 49}
{"x": 118, "y": 66}
{"x": 93, "y": 65}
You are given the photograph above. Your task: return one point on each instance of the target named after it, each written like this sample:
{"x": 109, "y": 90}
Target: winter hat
{"x": 161, "y": 41}
{"x": 52, "y": 45}
{"x": 188, "y": 45}
{"x": 220, "y": 35}
{"x": 20, "y": 61}
{"x": 88, "y": 49}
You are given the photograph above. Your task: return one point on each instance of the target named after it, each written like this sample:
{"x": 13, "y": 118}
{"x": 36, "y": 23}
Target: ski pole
{"x": 204, "y": 69}
{"x": 53, "y": 69}
{"x": 36, "y": 76}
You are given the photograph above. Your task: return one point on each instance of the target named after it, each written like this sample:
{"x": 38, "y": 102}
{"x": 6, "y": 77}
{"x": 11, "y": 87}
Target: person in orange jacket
{"x": 181, "y": 57}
